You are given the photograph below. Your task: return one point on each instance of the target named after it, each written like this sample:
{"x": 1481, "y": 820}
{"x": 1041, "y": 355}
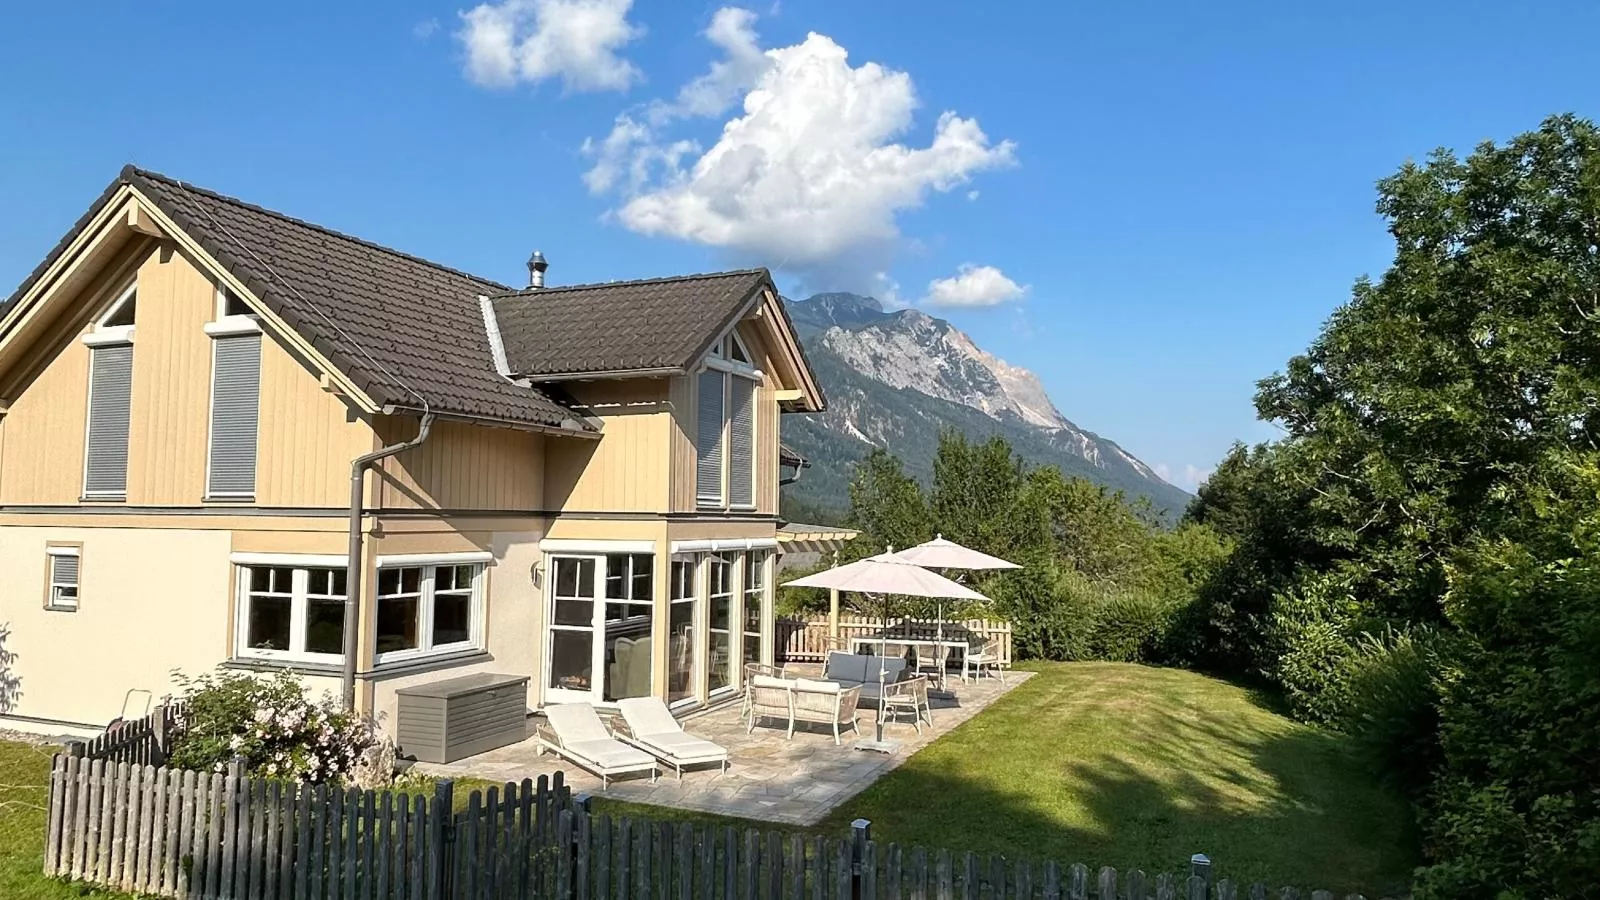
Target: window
{"x": 291, "y": 612}
{"x": 680, "y": 630}
{"x": 629, "y": 625}
{"x": 721, "y": 647}
{"x": 428, "y": 609}
{"x": 61, "y": 591}
{"x": 110, "y": 340}
{"x": 725, "y": 431}
{"x": 235, "y": 408}
{"x": 755, "y": 594}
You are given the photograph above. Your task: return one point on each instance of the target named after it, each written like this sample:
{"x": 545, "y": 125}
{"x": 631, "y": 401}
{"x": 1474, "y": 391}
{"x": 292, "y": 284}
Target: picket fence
{"x": 186, "y": 834}
{"x": 143, "y": 741}
{"x": 808, "y": 640}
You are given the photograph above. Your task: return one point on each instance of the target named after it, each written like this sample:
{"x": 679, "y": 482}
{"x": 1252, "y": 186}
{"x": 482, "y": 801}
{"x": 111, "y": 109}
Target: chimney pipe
{"x": 536, "y": 267}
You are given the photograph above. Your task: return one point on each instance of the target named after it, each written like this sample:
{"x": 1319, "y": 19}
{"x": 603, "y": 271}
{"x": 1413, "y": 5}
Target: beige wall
{"x": 461, "y": 467}
{"x": 307, "y": 436}
{"x": 627, "y": 469}
{"x": 151, "y": 600}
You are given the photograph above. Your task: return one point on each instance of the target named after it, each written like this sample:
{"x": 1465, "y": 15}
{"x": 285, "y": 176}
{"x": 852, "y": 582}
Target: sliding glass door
{"x": 720, "y": 653}
{"x": 601, "y": 614}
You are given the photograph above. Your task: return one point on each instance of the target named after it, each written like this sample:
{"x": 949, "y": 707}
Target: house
{"x": 574, "y": 483}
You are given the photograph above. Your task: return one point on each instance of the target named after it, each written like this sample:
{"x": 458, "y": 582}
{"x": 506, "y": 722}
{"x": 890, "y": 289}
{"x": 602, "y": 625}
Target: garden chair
{"x": 751, "y": 672}
{"x": 768, "y": 697}
{"x": 824, "y": 703}
{"x": 984, "y": 653}
{"x": 573, "y": 731}
{"x": 910, "y": 695}
{"x": 651, "y": 727}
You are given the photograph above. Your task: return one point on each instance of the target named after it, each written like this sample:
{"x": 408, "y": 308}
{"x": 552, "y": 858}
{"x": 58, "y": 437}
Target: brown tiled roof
{"x": 656, "y": 324}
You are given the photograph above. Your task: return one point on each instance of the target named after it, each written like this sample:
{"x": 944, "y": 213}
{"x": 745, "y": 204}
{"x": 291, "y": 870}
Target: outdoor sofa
{"x": 863, "y": 671}
{"x": 792, "y": 700}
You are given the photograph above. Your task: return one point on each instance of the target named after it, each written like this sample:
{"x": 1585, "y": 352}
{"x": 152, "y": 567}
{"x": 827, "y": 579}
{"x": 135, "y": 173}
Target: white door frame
{"x": 596, "y": 629}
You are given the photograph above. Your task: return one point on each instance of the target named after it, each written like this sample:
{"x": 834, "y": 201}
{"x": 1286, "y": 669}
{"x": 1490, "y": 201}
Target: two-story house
{"x": 578, "y": 484}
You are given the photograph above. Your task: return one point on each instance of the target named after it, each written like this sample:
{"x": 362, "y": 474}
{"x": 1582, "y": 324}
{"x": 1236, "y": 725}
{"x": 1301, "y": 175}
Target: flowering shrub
{"x": 272, "y": 724}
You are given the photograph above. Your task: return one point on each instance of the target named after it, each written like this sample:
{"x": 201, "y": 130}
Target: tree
{"x": 981, "y": 497}
{"x": 886, "y": 506}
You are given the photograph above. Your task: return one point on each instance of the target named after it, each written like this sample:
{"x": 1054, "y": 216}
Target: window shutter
{"x": 110, "y": 391}
{"x": 235, "y": 406}
{"x": 742, "y": 443}
{"x": 63, "y": 569}
{"x": 708, "y": 438}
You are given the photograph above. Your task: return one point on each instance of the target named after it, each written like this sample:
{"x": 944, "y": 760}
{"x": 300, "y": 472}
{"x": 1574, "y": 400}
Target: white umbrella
{"x": 883, "y": 575}
{"x": 942, "y": 554}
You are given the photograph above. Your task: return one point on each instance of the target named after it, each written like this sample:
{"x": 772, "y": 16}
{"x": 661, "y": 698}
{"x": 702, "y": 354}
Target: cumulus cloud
{"x": 974, "y": 286}
{"x": 529, "y": 41}
{"x": 811, "y": 176}
{"x": 1190, "y": 477}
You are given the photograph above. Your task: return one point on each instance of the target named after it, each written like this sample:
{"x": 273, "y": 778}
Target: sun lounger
{"x": 573, "y": 731}
{"x": 652, "y": 728}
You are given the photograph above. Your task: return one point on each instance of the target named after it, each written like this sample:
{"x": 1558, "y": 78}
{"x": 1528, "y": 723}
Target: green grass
{"x": 24, "y": 788}
{"x": 1134, "y": 767}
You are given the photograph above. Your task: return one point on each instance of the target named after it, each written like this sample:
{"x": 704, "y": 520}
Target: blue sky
{"x": 1162, "y": 202}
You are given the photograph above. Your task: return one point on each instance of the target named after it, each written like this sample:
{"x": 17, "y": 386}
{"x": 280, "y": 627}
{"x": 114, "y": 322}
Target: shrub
{"x": 1311, "y": 630}
{"x": 1391, "y": 703}
{"x": 271, "y": 723}
{"x": 1130, "y": 626}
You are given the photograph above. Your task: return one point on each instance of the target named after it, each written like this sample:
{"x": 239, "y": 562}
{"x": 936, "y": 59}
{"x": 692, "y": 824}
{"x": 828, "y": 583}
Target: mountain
{"x": 894, "y": 379}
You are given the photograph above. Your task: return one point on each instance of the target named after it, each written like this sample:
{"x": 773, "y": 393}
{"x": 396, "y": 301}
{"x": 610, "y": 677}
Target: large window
{"x": 428, "y": 609}
{"x": 680, "y": 627}
{"x": 630, "y": 614}
{"x": 720, "y": 669}
{"x": 755, "y": 593}
{"x": 725, "y": 433}
{"x": 291, "y": 612}
{"x": 105, "y": 463}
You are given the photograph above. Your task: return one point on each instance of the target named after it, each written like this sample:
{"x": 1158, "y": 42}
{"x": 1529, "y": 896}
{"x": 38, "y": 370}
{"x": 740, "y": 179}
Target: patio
{"x": 791, "y": 782}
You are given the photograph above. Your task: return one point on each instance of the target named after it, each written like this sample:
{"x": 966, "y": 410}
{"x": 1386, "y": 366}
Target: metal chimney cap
{"x": 536, "y": 268}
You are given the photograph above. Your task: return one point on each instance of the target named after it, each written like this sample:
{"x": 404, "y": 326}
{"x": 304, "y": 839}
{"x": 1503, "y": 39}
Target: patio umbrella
{"x": 942, "y": 554}
{"x": 880, "y": 577}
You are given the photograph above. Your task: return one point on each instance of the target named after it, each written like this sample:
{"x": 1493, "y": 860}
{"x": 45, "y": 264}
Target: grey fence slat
{"x": 188, "y": 787}
{"x": 564, "y": 858}
{"x": 333, "y": 859}
{"x": 774, "y": 866}
{"x": 228, "y": 836}
{"x": 1052, "y": 881}
{"x": 155, "y": 851}
{"x": 730, "y": 864}
{"x": 92, "y": 865}
{"x": 319, "y": 842}
{"x": 944, "y": 871}
{"x": 1322, "y": 895}
{"x": 52, "y": 833}
{"x": 582, "y": 868}
{"x": 80, "y": 817}
{"x": 369, "y": 845}
{"x": 509, "y": 854}
{"x": 1196, "y": 888}
{"x": 869, "y": 871}
{"x": 843, "y": 876}
{"x": 1137, "y": 889}
{"x": 997, "y": 876}
{"x": 145, "y": 836}
{"x": 705, "y": 846}
{"x": 352, "y": 848}
{"x": 125, "y": 824}
{"x": 1227, "y": 890}
{"x": 427, "y": 842}
{"x": 384, "y": 859}
{"x": 249, "y": 852}
{"x": 891, "y": 877}
{"x": 1289, "y": 893}
{"x": 1025, "y": 881}
{"x": 1108, "y": 882}
{"x": 173, "y": 848}
{"x": 208, "y": 833}
{"x": 69, "y": 805}
{"x": 643, "y": 835}
{"x": 602, "y": 859}
{"x": 525, "y": 860}
{"x": 271, "y": 843}
{"x": 1258, "y": 891}
{"x": 1078, "y": 882}
{"x": 129, "y": 878}
{"x": 819, "y": 868}
{"x": 1165, "y": 888}
{"x": 467, "y": 848}
{"x": 623, "y": 882}
{"x": 751, "y": 870}
{"x": 304, "y": 832}
{"x": 969, "y": 877}
{"x": 486, "y": 841}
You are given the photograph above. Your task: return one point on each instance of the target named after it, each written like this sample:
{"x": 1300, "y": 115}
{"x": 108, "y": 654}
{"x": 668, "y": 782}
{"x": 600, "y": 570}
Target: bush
{"x": 1391, "y": 703}
{"x": 271, "y": 723}
{"x": 1311, "y": 630}
{"x": 1131, "y": 626}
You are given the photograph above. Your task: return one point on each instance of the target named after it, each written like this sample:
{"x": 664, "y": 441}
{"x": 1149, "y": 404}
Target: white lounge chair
{"x": 574, "y": 732}
{"x": 651, "y": 727}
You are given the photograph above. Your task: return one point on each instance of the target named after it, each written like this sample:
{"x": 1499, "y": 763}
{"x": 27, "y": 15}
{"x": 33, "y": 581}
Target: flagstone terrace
{"x": 771, "y": 778}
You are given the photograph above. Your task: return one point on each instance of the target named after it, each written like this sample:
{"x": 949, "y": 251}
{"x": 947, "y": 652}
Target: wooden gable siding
{"x": 683, "y": 424}
{"x": 460, "y": 467}
{"x": 627, "y": 469}
{"x": 306, "y": 436}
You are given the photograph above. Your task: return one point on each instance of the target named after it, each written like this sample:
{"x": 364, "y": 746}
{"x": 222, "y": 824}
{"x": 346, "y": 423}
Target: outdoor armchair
{"x": 650, "y": 726}
{"x": 984, "y": 653}
{"x": 910, "y": 695}
{"x": 768, "y": 697}
{"x": 573, "y": 731}
{"x": 825, "y": 703}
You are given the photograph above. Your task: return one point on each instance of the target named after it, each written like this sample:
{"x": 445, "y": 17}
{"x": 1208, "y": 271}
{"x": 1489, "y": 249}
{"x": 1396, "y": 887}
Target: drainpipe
{"x": 353, "y": 565}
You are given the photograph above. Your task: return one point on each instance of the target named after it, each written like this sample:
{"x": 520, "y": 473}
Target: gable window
{"x": 235, "y": 400}
{"x": 62, "y": 563}
{"x": 291, "y": 612}
{"x": 110, "y": 341}
{"x": 429, "y": 609}
{"x": 725, "y": 432}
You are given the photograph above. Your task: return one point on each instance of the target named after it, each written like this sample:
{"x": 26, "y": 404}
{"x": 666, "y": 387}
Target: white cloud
{"x": 1189, "y": 478}
{"x": 425, "y": 29}
{"x": 972, "y": 195}
{"x": 535, "y": 40}
{"x": 811, "y": 177}
{"x": 974, "y": 286}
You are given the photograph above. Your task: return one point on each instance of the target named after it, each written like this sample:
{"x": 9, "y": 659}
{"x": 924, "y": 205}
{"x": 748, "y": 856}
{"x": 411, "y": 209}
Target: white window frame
{"x": 101, "y": 334}
{"x": 721, "y": 359}
{"x": 735, "y": 628}
{"x": 697, "y": 633}
{"x": 299, "y": 604}
{"x": 53, "y": 599}
{"x": 425, "y": 607}
{"x": 223, "y": 324}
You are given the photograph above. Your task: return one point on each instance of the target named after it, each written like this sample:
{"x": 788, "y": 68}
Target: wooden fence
{"x": 201, "y": 835}
{"x": 140, "y": 741}
{"x": 807, "y": 640}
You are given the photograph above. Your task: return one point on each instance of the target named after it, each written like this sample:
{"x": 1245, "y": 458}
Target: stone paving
{"x": 793, "y": 782}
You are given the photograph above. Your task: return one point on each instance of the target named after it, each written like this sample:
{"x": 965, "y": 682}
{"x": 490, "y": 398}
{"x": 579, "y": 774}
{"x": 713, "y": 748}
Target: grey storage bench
{"x": 444, "y": 721}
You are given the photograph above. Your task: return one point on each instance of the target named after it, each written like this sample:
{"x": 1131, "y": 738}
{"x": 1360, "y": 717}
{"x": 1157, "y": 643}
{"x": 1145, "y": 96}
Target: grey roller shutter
{"x": 105, "y": 471}
{"x": 235, "y": 406}
{"x": 64, "y": 569}
{"x": 708, "y": 438}
{"x": 742, "y": 443}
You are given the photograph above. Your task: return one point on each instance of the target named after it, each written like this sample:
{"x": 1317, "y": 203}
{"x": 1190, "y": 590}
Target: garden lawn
{"x": 24, "y": 788}
{"x": 1121, "y": 765}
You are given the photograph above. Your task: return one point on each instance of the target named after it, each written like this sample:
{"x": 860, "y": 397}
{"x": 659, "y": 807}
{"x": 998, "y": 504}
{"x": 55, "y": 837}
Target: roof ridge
{"x": 130, "y": 169}
{"x": 665, "y": 279}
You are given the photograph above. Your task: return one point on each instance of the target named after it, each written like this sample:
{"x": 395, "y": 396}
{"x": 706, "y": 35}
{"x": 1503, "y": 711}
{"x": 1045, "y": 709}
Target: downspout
{"x": 353, "y": 564}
